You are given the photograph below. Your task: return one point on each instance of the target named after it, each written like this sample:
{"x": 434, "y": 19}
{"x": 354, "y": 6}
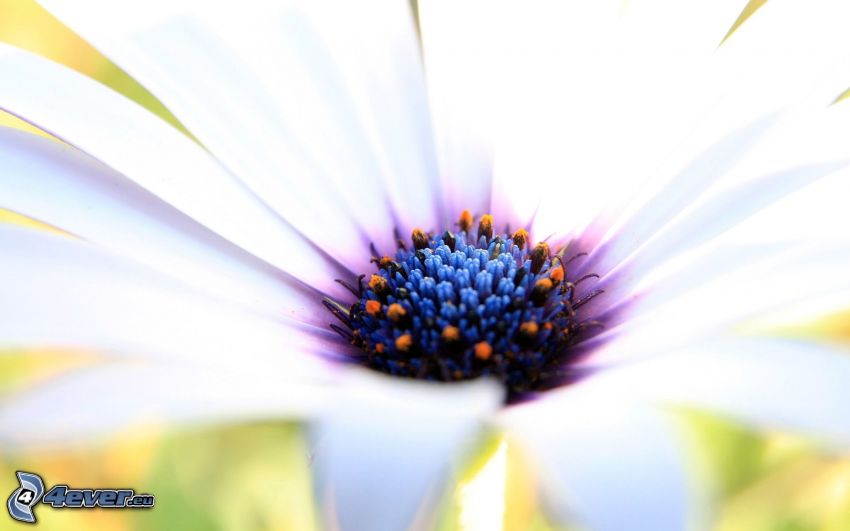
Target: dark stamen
{"x": 343, "y": 332}
{"x": 349, "y": 287}
{"x": 587, "y": 298}
{"x": 337, "y": 312}
{"x": 577, "y": 255}
{"x": 539, "y": 255}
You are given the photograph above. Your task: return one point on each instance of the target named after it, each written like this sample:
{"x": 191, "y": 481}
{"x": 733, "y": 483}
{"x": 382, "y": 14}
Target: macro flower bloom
{"x": 558, "y": 220}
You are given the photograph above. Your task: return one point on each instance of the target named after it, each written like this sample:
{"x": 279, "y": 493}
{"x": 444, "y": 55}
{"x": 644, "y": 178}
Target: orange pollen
{"x": 379, "y": 348}
{"x": 404, "y": 342}
{"x": 465, "y": 221}
{"x": 420, "y": 239}
{"x": 396, "y": 311}
{"x": 373, "y": 307}
{"x": 485, "y": 226}
{"x": 379, "y": 285}
{"x": 557, "y": 274}
{"x": 384, "y": 263}
{"x": 544, "y": 284}
{"x": 520, "y": 238}
{"x": 450, "y": 333}
{"x": 483, "y": 350}
{"x": 529, "y": 328}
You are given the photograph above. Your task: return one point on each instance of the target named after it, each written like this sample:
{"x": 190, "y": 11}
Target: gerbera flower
{"x": 577, "y": 213}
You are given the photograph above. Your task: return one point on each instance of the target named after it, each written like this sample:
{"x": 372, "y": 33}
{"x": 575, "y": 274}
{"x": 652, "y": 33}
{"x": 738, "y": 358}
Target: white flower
{"x": 707, "y": 184}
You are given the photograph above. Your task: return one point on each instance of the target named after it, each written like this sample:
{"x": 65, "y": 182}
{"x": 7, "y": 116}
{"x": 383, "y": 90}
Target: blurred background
{"x": 257, "y": 476}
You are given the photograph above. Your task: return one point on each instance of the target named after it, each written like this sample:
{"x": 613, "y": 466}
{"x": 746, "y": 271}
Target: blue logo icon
{"x": 22, "y": 501}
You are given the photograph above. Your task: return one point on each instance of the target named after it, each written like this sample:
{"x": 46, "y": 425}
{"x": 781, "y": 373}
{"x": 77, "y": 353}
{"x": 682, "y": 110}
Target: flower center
{"x": 470, "y": 303}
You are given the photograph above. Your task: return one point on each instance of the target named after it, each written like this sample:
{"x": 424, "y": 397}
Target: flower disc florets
{"x": 459, "y": 305}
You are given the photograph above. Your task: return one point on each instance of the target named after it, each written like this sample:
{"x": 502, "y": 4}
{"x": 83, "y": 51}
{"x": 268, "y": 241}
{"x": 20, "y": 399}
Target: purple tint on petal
{"x": 590, "y": 242}
{"x": 680, "y": 192}
{"x": 602, "y": 337}
{"x": 509, "y": 217}
{"x": 327, "y": 345}
{"x": 613, "y": 288}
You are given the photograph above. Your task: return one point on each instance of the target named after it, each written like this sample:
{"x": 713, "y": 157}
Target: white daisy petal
{"x": 59, "y": 291}
{"x": 685, "y": 188}
{"x": 383, "y": 451}
{"x": 802, "y": 149}
{"x": 635, "y": 306}
{"x": 728, "y": 209}
{"x": 543, "y": 119}
{"x": 714, "y": 216}
{"x": 784, "y": 48}
{"x": 248, "y": 100}
{"x": 813, "y": 136}
{"x": 678, "y": 100}
{"x": 151, "y": 153}
{"x": 605, "y": 463}
{"x": 601, "y": 99}
{"x": 798, "y": 274}
{"x": 817, "y": 213}
{"x": 764, "y": 66}
{"x": 702, "y": 298}
{"x": 377, "y": 48}
{"x": 92, "y": 402}
{"x": 63, "y": 187}
{"x": 695, "y": 29}
{"x": 771, "y": 383}
{"x": 463, "y": 76}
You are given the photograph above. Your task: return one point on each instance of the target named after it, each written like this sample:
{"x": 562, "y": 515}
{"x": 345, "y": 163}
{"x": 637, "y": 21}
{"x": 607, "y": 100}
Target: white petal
{"x": 764, "y": 67}
{"x": 552, "y": 69}
{"x": 601, "y": 98}
{"x": 605, "y": 463}
{"x": 383, "y": 451}
{"x": 151, "y": 153}
{"x": 675, "y": 101}
{"x": 771, "y": 383}
{"x": 92, "y": 402}
{"x": 462, "y": 45}
{"x": 784, "y": 50}
{"x": 816, "y": 213}
{"x": 813, "y": 136}
{"x": 761, "y": 68}
{"x": 376, "y": 46}
{"x": 730, "y": 208}
{"x": 713, "y": 217}
{"x": 680, "y": 192}
{"x": 291, "y": 130}
{"x": 699, "y": 300}
{"x": 59, "y": 291}
{"x": 59, "y": 185}
{"x": 695, "y": 29}
{"x": 803, "y": 148}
